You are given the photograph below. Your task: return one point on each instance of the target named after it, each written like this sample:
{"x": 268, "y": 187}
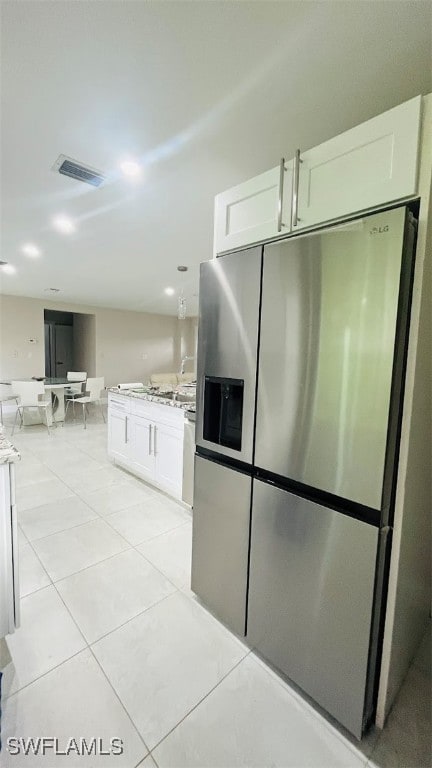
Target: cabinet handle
{"x": 296, "y": 177}
{"x": 150, "y": 437}
{"x": 126, "y": 429}
{"x": 154, "y": 439}
{"x": 282, "y": 170}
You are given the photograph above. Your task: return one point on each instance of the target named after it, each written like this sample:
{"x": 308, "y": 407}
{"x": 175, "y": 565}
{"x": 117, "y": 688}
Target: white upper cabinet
{"x": 370, "y": 165}
{"x": 258, "y": 209}
{"x": 373, "y": 164}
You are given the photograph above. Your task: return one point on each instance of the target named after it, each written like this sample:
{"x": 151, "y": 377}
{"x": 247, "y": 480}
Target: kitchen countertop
{"x": 184, "y": 406}
{"x": 8, "y": 452}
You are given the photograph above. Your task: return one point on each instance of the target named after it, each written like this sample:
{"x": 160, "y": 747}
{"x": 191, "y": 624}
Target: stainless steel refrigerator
{"x": 302, "y": 350}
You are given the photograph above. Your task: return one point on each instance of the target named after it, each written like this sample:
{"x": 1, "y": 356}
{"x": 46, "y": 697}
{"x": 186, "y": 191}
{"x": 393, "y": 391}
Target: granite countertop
{"x": 184, "y": 406}
{"x": 8, "y": 453}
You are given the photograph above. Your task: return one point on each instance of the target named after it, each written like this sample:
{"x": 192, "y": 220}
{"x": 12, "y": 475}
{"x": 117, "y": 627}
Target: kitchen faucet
{"x": 182, "y": 367}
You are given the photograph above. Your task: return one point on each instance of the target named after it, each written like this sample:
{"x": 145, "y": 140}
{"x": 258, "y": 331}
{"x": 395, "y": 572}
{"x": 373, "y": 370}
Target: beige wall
{"x": 129, "y": 346}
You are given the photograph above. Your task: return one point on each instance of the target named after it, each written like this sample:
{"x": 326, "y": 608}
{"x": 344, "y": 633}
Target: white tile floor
{"x": 113, "y": 642}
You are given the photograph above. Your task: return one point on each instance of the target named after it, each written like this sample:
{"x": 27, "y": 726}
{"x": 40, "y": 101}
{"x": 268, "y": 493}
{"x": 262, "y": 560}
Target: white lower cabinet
{"x": 168, "y": 446}
{"x": 147, "y": 439}
{"x": 143, "y": 457}
{"x": 118, "y": 438}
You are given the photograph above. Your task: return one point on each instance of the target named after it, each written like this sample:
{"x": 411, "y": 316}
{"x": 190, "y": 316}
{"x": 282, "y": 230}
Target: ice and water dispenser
{"x": 223, "y": 411}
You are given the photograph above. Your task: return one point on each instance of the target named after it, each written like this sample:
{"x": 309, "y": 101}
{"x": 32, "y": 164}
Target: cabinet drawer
{"x": 119, "y": 403}
{"x": 164, "y": 414}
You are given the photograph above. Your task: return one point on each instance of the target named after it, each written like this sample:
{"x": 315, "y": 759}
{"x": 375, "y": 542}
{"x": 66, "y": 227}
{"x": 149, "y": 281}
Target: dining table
{"x": 56, "y": 386}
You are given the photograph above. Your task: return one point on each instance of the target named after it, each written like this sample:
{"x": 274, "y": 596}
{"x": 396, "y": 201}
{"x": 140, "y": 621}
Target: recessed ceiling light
{"x": 63, "y": 224}
{"x": 131, "y": 169}
{"x": 29, "y": 249}
{"x": 8, "y": 269}
{"x": 169, "y": 291}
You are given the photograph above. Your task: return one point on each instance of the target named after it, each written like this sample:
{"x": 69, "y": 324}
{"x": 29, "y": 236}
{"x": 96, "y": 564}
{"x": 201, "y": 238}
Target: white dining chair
{"x": 76, "y": 389}
{"x": 94, "y": 386}
{"x": 76, "y": 376}
{"x": 30, "y": 394}
{"x": 6, "y": 396}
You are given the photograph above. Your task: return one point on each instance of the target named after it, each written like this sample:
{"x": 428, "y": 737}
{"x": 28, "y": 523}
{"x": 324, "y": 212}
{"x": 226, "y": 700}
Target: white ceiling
{"x": 205, "y": 94}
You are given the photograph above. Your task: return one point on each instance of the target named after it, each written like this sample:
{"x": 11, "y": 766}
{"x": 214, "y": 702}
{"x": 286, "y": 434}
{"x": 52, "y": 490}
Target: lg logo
{"x": 379, "y": 230}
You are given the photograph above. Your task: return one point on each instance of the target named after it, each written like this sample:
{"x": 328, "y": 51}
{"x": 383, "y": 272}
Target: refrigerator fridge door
{"x": 220, "y": 541}
{"x": 311, "y": 590}
{"x": 227, "y": 353}
{"x": 327, "y": 349}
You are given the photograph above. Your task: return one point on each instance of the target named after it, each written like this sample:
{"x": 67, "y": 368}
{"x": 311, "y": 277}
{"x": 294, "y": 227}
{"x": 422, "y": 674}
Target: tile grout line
{"x": 129, "y": 546}
{"x": 189, "y": 712}
{"x": 63, "y": 530}
{"x": 44, "y": 674}
{"x": 89, "y": 648}
{"x": 132, "y": 618}
{"x": 305, "y": 705}
{"x": 179, "y": 589}
{"x": 119, "y": 700}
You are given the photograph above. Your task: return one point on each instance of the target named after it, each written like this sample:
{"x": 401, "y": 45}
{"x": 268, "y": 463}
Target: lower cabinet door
{"x": 311, "y": 594}
{"x": 168, "y": 457}
{"x": 220, "y": 540}
{"x": 119, "y": 435}
{"x": 143, "y": 455}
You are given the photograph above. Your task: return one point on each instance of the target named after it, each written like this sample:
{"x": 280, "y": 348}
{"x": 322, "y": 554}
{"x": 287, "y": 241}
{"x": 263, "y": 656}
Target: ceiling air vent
{"x": 78, "y": 171}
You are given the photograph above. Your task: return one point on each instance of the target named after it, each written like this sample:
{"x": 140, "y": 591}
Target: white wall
{"x": 409, "y": 594}
{"x": 129, "y": 346}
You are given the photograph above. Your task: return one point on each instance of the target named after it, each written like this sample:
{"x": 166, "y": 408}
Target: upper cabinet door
{"x": 256, "y": 210}
{"x": 372, "y": 164}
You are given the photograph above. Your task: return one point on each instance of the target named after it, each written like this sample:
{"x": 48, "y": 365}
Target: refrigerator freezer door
{"x": 227, "y": 352}
{"x": 329, "y": 312}
{"x": 220, "y": 542}
{"x": 310, "y": 598}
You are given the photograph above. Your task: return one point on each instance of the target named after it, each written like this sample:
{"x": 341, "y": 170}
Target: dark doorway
{"x": 58, "y": 343}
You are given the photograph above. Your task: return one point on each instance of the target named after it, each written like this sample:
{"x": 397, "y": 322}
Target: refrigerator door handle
{"x": 296, "y": 178}
{"x": 282, "y": 170}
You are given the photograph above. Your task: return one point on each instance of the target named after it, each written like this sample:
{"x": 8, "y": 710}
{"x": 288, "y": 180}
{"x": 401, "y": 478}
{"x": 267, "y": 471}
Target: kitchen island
{"x": 146, "y": 435}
